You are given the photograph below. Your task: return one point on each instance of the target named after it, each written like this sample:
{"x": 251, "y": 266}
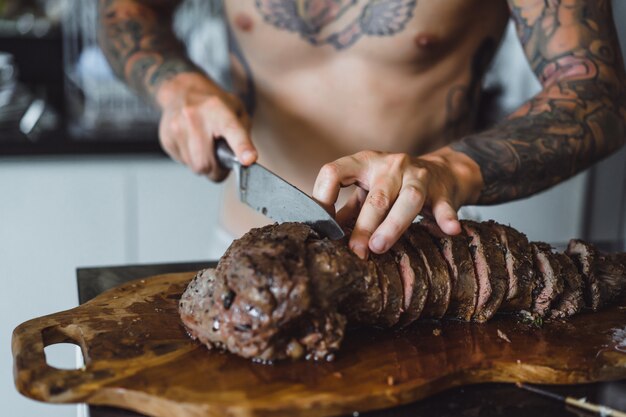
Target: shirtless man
{"x": 381, "y": 94}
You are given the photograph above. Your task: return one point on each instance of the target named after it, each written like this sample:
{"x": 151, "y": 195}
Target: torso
{"x": 328, "y": 78}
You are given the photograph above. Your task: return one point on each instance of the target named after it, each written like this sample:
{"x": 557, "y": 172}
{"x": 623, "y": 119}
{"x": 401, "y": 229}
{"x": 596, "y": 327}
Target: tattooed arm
{"x": 138, "y": 40}
{"x": 578, "y": 118}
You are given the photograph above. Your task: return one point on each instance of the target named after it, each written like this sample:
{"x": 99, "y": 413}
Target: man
{"x": 381, "y": 94}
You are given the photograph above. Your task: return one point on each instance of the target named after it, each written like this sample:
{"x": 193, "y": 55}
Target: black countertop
{"x": 487, "y": 400}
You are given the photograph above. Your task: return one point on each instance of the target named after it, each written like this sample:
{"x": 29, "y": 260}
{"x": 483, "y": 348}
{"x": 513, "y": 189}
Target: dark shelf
{"x": 40, "y": 64}
{"x": 61, "y": 142}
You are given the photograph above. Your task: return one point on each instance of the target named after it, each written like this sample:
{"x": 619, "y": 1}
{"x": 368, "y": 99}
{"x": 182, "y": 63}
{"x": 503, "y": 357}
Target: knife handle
{"x": 224, "y": 154}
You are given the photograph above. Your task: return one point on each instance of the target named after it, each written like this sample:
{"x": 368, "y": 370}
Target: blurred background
{"x": 84, "y": 183}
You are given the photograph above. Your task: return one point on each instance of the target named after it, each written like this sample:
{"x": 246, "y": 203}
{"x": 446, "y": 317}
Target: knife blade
{"x": 276, "y": 198}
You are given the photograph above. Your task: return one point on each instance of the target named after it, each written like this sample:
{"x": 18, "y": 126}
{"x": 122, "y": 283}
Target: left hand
{"x": 393, "y": 189}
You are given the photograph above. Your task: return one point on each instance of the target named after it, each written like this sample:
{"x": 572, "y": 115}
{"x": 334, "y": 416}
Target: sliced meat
{"x": 282, "y": 291}
{"x": 584, "y": 256}
{"x": 603, "y": 275}
{"x": 455, "y": 251}
{"x": 490, "y": 266}
{"x": 610, "y": 271}
{"x": 391, "y": 288}
{"x": 436, "y": 269}
{"x": 571, "y": 300}
{"x": 550, "y": 271}
{"x": 518, "y": 256}
{"x": 414, "y": 281}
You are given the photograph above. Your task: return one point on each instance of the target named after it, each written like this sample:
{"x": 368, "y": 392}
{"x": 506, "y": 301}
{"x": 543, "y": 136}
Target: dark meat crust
{"x": 415, "y": 281}
{"x": 437, "y": 270}
{"x": 200, "y": 310}
{"x": 571, "y": 300}
{"x": 610, "y": 271}
{"x": 519, "y": 263}
{"x": 266, "y": 271}
{"x": 488, "y": 256}
{"x": 391, "y": 288}
{"x": 343, "y": 280}
{"x": 550, "y": 272}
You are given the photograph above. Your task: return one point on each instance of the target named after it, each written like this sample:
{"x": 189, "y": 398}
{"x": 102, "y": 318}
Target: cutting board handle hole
{"x": 66, "y": 356}
{"x": 60, "y": 350}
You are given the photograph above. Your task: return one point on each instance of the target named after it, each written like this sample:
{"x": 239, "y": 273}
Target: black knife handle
{"x": 224, "y": 154}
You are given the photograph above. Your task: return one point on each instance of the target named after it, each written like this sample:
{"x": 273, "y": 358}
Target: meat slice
{"x": 414, "y": 281}
{"x": 391, "y": 288}
{"x": 549, "y": 270}
{"x": 603, "y": 275}
{"x": 436, "y": 269}
{"x": 518, "y": 256}
{"x": 584, "y": 256}
{"x": 455, "y": 250}
{"x": 490, "y": 266}
{"x": 571, "y": 300}
{"x": 610, "y": 271}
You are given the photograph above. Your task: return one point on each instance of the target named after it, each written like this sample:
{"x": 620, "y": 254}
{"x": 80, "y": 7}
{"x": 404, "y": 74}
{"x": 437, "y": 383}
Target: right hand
{"x": 196, "y": 112}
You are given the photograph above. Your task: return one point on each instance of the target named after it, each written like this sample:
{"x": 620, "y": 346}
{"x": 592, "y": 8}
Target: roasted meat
{"x": 282, "y": 291}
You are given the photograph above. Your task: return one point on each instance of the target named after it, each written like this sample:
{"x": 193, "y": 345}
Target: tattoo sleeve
{"x": 578, "y": 118}
{"x": 139, "y": 43}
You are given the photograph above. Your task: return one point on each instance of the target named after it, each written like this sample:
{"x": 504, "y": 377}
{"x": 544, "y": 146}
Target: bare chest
{"x": 292, "y": 32}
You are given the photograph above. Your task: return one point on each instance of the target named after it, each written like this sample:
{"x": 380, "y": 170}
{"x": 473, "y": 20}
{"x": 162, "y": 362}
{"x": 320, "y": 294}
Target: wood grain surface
{"x": 139, "y": 357}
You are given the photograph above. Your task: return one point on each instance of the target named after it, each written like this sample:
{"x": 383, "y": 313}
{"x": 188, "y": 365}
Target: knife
{"x": 274, "y": 197}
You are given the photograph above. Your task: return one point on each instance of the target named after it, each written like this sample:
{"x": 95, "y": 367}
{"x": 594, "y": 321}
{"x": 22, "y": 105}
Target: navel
{"x": 243, "y": 22}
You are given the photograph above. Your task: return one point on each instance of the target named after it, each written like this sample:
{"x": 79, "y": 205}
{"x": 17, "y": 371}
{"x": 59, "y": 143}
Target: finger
{"x": 403, "y": 212}
{"x": 238, "y": 139}
{"x": 196, "y": 149}
{"x": 199, "y": 148}
{"x": 347, "y": 215}
{"x": 335, "y": 175}
{"x": 446, "y": 217}
{"x": 167, "y": 133}
{"x": 183, "y": 151}
{"x": 377, "y": 204}
{"x": 171, "y": 149}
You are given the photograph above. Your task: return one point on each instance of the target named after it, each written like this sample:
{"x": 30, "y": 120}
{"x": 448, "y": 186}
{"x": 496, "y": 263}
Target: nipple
{"x": 425, "y": 40}
{"x": 243, "y": 22}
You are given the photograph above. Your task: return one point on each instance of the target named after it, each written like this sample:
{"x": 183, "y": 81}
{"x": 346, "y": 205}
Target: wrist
{"x": 170, "y": 90}
{"x": 466, "y": 173}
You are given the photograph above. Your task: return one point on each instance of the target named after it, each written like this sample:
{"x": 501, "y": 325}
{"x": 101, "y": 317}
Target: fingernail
{"x": 247, "y": 157}
{"x": 360, "y": 251}
{"x": 378, "y": 244}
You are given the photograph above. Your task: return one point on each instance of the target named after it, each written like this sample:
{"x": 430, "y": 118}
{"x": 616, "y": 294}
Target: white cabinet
{"x": 57, "y": 214}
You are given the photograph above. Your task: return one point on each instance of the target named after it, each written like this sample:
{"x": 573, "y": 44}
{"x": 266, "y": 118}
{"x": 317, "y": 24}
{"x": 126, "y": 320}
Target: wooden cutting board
{"x": 139, "y": 357}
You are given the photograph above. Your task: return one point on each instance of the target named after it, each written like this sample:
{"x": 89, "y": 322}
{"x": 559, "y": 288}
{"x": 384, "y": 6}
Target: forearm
{"x": 138, "y": 41}
{"x": 578, "y": 118}
{"x": 559, "y": 133}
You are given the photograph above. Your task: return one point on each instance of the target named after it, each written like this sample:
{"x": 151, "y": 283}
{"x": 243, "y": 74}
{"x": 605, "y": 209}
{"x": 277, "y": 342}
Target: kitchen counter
{"x": 488, "y": 400}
